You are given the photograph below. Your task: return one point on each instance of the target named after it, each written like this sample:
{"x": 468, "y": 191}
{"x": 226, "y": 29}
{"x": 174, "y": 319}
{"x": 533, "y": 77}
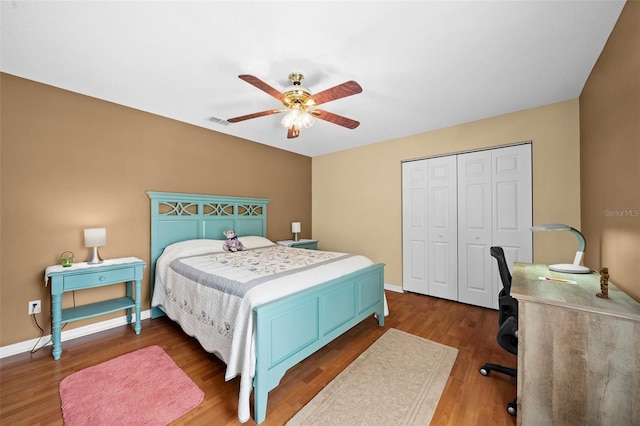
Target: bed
{"x": 275, "y": 324}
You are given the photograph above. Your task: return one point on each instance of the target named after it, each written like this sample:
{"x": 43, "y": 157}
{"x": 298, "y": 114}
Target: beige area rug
{"x": 397, "y": 381}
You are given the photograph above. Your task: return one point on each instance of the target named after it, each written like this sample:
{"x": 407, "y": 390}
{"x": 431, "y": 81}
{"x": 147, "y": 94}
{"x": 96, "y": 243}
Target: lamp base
{"x": 295, "y": 236}
{"x": 95, "y": 257}
{"x": 569, "y": 268}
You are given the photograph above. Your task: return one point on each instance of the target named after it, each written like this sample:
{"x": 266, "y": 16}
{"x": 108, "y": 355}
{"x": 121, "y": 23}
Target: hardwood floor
{"x": 29, "y": 384}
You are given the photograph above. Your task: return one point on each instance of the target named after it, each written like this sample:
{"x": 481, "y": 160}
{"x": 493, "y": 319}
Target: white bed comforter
{"x": 218, "y": 312}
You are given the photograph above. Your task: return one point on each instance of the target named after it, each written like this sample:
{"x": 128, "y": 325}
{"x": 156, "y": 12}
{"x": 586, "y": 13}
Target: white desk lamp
{"x": 568, "y": 268}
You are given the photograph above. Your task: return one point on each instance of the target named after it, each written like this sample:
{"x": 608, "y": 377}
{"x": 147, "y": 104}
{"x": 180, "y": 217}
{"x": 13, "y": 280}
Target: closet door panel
{"x": 442, "y": 227}
{"x": 513, "y": 207}
{"x": 414, "y": 227}
{"x": 475, "y": 283}
{"x": 512, "y": 199}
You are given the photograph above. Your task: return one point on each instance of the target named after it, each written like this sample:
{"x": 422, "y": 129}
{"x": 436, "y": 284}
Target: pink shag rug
{"x": 144, "y": 387}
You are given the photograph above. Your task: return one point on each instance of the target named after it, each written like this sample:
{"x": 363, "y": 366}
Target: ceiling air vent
{"x": 219, "y": 121}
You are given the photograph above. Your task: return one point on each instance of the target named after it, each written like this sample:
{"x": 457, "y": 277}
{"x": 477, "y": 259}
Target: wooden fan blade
{"x": 292, "y": 133}
{"x": 340, "y": 91}
{"x": 335, "y": 119}
{"x": 254, "y": 115}
{"x": 255, "y": 81}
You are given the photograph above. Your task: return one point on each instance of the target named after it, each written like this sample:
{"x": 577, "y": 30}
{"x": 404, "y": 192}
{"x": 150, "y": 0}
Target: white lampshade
{"x": 95, "y": 237}
{"x": 295, "y": 227}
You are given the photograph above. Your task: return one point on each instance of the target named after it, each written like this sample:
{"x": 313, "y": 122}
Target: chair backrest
{"x": 503, "y": 268}
{"x": 507, "y": 305}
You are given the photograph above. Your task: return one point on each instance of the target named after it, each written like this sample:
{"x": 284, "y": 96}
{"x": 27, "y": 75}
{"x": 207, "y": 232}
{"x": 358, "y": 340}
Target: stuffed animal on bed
{"x": 232, "y": 243}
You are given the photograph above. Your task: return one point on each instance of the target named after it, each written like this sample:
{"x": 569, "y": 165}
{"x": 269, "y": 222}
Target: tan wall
{"x": 610, "y": 143}
{"x": 357, "y": 198}
{"x": 71, "y": 162}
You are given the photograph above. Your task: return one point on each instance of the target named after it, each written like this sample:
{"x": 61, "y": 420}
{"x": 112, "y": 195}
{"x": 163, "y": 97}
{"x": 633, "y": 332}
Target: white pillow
{"x": 191, "y": 247}
{"x": 255, "y": 241}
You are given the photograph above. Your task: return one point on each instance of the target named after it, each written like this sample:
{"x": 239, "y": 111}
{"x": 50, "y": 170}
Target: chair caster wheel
{"x": 512, "y": 408}
{"x": 484, "y": 371}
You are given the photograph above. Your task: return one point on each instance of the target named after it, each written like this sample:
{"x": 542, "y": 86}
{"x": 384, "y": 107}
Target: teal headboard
{"x": 179, "y": 217}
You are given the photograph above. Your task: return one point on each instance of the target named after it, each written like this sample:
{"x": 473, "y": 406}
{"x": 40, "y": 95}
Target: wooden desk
{"x": 578, "y": 354}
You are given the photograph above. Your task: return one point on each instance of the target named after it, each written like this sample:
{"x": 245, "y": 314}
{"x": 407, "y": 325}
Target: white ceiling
{"x": 423, "y": 65}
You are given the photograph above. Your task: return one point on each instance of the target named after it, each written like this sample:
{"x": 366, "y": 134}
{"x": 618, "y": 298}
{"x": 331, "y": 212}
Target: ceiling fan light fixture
{"x": 297, "y": 118}
{"x": 298, "y": 101}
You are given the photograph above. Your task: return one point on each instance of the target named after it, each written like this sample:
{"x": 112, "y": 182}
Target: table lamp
{"x": 568, "y": 268}
{"x": 295, "y": 230}
{"x": 94, "y": 238}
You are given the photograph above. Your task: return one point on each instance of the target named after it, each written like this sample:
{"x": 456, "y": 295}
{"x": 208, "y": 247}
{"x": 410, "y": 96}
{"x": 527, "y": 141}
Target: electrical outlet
{"x": 35, "y": 307}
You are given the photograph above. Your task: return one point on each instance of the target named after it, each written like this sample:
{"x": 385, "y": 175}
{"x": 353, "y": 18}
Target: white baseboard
{"x": 18, "y": 348}
{"x": 393, "y": 287}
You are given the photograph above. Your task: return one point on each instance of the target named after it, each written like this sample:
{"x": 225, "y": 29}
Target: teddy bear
{"x": 233, "y": 243}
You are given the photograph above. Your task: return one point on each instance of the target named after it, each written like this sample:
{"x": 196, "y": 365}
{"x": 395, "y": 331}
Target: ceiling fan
{"x": 299, "y": 104}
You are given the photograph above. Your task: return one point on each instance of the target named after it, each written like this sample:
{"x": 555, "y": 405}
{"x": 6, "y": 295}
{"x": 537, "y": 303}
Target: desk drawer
{"x": 92, "y": 279}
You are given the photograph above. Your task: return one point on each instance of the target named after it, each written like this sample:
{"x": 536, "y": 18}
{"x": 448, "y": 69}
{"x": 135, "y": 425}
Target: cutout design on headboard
{"x": 177, "y": 209}
{"x": 250, "y": 210}
{"x": 218, "y": 209}
{"x": 170, "y": 208}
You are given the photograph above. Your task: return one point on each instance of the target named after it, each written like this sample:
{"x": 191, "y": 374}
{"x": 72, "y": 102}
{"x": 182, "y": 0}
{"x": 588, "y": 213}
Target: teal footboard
{"x": 290, "y": 329}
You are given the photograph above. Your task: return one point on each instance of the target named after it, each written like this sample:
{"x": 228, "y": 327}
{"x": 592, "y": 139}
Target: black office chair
{"x": 508, "y": 322}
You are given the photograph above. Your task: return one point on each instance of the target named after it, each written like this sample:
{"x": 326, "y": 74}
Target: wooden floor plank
{"x": 29, "y": 383}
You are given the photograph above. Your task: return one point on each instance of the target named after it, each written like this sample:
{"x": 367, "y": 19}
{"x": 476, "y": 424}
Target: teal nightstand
{"x": 82, "y": 276}
{"x": 304, "y": 244}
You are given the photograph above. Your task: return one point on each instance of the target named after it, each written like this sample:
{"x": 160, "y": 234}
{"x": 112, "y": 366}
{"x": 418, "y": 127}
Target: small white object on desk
{"x": 560, "y": 280}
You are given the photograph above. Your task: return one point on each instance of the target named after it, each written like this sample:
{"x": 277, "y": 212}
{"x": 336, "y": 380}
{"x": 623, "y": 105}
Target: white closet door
{"x": 512, "y": 206}
{"x": 475, "y": 280}
{"x": 454, "y": 208}
{"x": 442, "y": 235}
{"x": 414, "y": 227}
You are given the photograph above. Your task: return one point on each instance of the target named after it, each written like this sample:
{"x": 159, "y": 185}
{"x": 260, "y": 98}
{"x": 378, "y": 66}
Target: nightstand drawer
{"x": 92, "y": 279}
{"x": 312, "y": 245}
{"x": 303, "y": 244}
